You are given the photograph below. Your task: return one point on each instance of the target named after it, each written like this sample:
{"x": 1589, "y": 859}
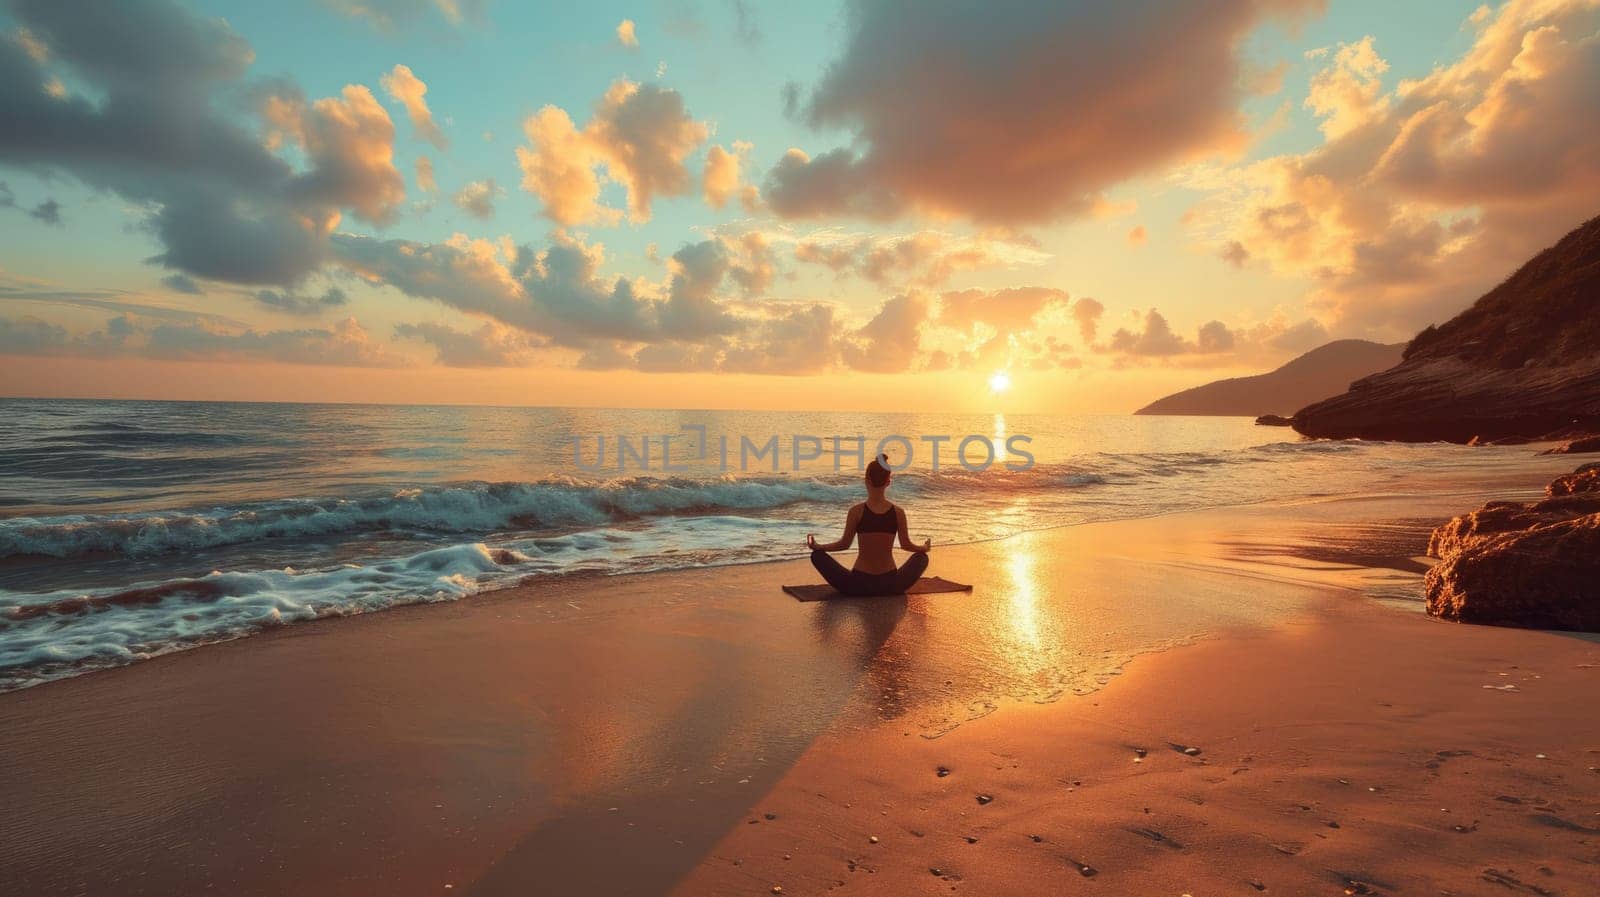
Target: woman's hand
{"x": 926, "y": 544}
{"x": 811, "y": 541}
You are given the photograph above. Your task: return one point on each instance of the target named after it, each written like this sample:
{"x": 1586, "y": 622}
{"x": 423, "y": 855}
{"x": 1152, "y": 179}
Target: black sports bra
{"x": 873, "y": 522}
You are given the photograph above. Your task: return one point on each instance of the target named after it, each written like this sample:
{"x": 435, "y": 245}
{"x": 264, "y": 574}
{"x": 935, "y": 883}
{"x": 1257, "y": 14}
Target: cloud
{"x": 1155, "y": 338}
{"x": 392, "y": 15}
{"x": 1348, "y": 93}
{"x": 691, "y": 310}
{"x": 222, "y": 203}
{"x": 1214, "y": 336}
{"x": 346, "y": 344}
{"x": 1086, "y": 313}
{"x": 794, "y": 340}
{"x": 1422, "y": 196}
{"x": 410, "y": 91}
{"x": 642, "y": 134}
{"x": 425, "y": 178}
{"x": 477, "y": 198}
{"x": 1138, "y": 236}
{"x": 752, "y": 263}
{"x": 1006, "y": 310}
{"x": 889, "y": 342}
{"x": 182, "y": 283}
{"x": 29, "y": 335}
{"x": 559, "y": 168}
{"x": 349, "y": 140}
{"x": 296, "y": 304}
{"x": 626, "y": 36}
{"x": 1017, "y": 113}
{"x": 722, "y": 177}
{"x": 491, "y": 345}
{"x": 745, "y": 26}
{"x": 557, "y": 292}
{"x": 48, "y": 212}
{"x": 1002, "y": 329}
{"x": 924, "y": 258}
{"x": 1215, "y": 344}
{"x": 1234, "y": 253}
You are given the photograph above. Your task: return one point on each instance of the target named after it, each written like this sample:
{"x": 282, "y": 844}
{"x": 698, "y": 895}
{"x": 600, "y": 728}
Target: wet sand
{"x": 629, "y": 735}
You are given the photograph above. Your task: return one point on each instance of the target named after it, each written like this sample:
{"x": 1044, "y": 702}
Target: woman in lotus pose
{"x": 877, "y": 520}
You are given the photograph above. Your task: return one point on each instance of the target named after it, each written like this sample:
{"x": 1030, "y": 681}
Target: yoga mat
{"x": 927, "y": 585}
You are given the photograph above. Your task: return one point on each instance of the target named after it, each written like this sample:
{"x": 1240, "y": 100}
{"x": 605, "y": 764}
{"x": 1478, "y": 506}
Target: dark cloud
{"x": 160, "y": 133}
{"x": 1017, "y": 111}
{"x": 297, "y": 304}
{"x": 48, "y": 211}
{"x": 692, "y": 310}
{"x": 29, "y": 335}
{"x": 183, "y": 283}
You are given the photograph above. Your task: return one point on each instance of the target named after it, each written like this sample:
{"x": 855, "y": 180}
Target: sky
{"x": 873, "y": 205}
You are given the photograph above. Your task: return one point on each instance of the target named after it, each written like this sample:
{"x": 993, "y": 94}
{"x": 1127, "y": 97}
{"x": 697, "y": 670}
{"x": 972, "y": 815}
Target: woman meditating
{"x": 877, "y": 521}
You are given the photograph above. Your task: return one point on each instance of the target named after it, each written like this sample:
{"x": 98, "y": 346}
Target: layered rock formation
{"x": 1535, "y": 565}
{"x": 1523, "y": 361}
{"x": 1322, "y": 372}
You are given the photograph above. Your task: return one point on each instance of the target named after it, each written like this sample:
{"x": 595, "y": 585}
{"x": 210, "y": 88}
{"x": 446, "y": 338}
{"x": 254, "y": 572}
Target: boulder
{"x": 1534, "y": 564}
{"x": 1584, "y": 479}
{"x": 1273, "y": 420}
{"x": 1545, "y": 577}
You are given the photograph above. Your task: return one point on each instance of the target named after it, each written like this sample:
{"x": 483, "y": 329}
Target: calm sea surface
{"x": 129, "y": 529}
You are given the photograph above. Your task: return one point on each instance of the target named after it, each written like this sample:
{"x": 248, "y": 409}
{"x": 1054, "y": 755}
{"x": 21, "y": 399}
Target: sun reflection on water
{"x": 1022, "y": 614}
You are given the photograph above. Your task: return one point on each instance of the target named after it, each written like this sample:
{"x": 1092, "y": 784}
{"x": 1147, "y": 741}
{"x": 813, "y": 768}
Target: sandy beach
{"x": 1201, "y": 703}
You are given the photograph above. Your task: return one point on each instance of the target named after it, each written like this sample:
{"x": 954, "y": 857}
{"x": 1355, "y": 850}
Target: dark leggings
{"x": 861, "y": 585}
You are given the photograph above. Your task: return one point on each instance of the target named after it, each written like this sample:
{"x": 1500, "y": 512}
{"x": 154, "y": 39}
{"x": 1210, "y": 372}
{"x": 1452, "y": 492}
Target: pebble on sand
{"x": 873, "y": 839}
{"x": 985, "y": 798}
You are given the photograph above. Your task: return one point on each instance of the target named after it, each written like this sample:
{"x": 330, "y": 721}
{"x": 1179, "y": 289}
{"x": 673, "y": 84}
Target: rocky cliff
{"x": 1523, "y": 361}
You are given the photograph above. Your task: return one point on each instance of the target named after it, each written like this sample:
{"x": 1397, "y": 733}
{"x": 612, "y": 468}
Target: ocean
{"x": 131, "y": 529}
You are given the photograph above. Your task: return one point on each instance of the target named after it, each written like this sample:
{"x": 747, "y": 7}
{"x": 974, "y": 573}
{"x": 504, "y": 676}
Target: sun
{"x": 1000, "y": 381}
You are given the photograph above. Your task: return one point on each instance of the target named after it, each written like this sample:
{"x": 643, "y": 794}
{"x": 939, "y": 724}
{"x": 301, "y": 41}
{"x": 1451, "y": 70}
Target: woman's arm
{"x": 905, "y": 534}
{"x": 850, "y": 522}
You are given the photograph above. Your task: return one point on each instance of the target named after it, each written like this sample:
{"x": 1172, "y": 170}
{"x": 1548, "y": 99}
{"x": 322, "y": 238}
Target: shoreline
{"x": 484, "y": 743}
{"x": 1469, "y": 488}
